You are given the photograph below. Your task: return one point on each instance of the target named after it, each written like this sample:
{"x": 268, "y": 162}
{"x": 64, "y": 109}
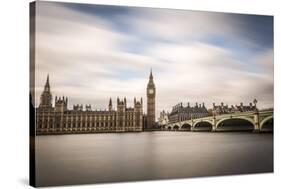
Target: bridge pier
{"x": 256, "y": 131}
{"x": 214, "y": 128}
{"x": 257, "y": 122}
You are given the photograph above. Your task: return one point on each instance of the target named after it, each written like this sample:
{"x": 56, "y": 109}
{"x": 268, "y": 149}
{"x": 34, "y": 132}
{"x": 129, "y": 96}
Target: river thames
{"x": 99, "y": 158}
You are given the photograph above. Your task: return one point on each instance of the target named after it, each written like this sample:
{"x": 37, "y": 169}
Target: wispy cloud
{"x": 96, "y": 52}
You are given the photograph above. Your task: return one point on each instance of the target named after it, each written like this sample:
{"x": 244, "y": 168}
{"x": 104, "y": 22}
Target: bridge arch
{"x": 169, "y": 128}
{"x": 235, "y": 124}
{"x": 268, "y": 120}
{"x": 208, "y": 121}
{"x": 203, "y": 126}
{"x": 186, "y": 127}
{"x": 176, "y": 127}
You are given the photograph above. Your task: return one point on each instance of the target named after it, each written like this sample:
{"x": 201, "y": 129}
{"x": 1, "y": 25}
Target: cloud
{"x": 266, "y": 60}
{"x": 91, "y": 58}
{"x": 204, "y": 73}
{"x": 80, "y": 54}
{"x": 175, "y": 25}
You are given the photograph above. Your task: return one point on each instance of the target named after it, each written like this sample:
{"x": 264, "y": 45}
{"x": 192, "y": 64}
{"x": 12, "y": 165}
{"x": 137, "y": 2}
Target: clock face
{"x": 150, "y": 91}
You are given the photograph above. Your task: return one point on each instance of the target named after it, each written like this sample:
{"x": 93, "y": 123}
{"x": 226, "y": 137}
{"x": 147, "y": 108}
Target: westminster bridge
{"x": 255, "y": 120}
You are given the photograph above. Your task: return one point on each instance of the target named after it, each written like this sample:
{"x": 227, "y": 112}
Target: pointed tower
{"x": 110, "y": 105}
{"x": 47, "y": 85}
{"x": 46, "y": 96}
{"x": 150, "y": 94}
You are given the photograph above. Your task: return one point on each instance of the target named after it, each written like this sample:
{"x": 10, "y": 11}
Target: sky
{"x": 96, "y": 52}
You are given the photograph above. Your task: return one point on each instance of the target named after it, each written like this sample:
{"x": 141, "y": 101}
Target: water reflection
{"x": 95, "y": 158}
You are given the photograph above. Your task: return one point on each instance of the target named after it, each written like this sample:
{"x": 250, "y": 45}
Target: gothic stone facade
{"x": 58, "y": 119}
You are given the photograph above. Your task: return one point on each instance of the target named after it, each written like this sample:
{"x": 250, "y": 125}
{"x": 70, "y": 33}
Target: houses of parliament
{"x": 58, "y": 119}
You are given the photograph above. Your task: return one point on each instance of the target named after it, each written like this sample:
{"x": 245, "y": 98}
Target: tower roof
{"x": 46, "y": 96}
{"x": 47, "y": 85}
{"x": 151, "y": 76}
{"x": 150, "y": 83}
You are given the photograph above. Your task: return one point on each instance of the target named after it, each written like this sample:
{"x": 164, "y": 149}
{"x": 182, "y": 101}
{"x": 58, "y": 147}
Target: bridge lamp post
{"x": 255, "y": 103}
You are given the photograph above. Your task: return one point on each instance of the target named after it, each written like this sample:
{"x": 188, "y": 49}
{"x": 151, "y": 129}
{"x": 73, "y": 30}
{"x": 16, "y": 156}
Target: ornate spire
{"x": 47, "y": 85}
{"x": 110, "y": 105}
{"x": 150, "y": 82}
{"x": 151, "y": 76}
{"x": 46, "y": 96}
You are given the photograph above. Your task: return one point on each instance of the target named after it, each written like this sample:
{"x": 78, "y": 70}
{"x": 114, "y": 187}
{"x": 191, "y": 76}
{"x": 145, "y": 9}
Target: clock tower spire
{"x": 150, "y": 94}
{"x": 46, "y": 96}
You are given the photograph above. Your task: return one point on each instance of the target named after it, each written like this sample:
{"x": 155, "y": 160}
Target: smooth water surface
{"x": 96, "y": 158}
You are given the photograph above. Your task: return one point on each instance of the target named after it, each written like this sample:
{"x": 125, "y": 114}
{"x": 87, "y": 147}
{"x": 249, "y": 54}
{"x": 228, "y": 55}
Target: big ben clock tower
{"x": 150, "y": 94}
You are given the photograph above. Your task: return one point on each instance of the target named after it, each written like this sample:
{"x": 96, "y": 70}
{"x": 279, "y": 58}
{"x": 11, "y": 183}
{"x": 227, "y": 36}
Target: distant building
{"x": 181, "y": 113}
{"x": 163, "y": 119}
{"x": 225, "y": 109}
{"x": 59, "y": 119}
